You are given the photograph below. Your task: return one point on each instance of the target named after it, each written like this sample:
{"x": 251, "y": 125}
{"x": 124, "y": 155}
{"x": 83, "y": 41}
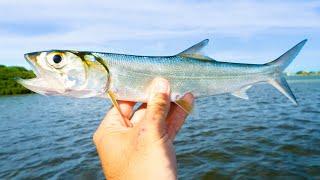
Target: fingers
{"x": 126, "y": 108}
{"x": 113, "y": 119}
{"x": 157, "y": 108}
{"x": 139, "y": 114}
{"x": 177, "y": 116}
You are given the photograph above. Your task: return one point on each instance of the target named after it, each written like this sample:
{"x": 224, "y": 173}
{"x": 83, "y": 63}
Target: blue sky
{"x": 239, "y": 31}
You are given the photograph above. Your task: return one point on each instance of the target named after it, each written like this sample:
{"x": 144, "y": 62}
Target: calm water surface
{"x": 50, "y": 137}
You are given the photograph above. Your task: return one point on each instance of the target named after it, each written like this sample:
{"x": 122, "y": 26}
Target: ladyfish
{"x": 84, "y": 74}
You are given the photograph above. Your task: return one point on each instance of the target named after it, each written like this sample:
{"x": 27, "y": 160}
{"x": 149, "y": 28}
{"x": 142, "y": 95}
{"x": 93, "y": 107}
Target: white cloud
{"x": 84, "y": 24}
{"x": 126, "y": 19}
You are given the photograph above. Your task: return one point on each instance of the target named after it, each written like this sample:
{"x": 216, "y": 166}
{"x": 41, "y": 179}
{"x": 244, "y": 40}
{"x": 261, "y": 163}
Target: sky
{"x": 243, "y": 31}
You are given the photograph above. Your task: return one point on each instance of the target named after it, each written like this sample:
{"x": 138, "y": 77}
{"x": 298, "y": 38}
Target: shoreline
{"x": 288, "y": 76}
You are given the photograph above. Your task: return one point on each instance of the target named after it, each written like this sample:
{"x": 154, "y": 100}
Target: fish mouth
{"x": 37, "y": 84}
{"x": 31, "y": 58}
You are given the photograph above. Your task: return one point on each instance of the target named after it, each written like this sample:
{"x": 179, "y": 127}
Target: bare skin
{"x": 146, "y": 150}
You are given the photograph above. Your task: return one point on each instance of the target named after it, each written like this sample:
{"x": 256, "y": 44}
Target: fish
{"x": 85, "y": 74}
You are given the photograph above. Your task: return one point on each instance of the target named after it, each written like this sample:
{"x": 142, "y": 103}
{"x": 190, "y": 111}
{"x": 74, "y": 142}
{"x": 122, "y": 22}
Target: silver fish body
{"x": 126, "y": 77}
{"x": 130, "y": 75}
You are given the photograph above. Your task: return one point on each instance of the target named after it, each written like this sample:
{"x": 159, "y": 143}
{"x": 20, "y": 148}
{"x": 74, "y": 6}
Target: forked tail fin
{"x": 279, "y": 65}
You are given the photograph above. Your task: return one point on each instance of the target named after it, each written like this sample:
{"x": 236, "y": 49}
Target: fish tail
{"x": 277, "y": 66}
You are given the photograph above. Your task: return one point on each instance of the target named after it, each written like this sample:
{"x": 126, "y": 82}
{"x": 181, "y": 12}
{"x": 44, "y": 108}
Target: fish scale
{"x": 127, "y": 77}
{"x": 202, "y": 78}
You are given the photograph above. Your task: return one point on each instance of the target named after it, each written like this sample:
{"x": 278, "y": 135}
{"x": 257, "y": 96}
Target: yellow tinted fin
{"x": 197, "y": 56}
{"x": 195, "y": 52}
{"x": 184, "y": 105}
{"x": 115, "y": 104}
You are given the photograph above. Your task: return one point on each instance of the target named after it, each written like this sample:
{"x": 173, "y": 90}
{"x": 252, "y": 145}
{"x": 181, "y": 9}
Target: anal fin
{"x": 242, "y": 92}
{"x": 184, "y": 105}
{"x": 115, "y": 104}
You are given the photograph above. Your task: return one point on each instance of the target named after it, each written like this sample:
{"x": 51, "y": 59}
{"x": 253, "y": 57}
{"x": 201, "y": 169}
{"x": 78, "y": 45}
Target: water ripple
{"x": 225, "y": 137}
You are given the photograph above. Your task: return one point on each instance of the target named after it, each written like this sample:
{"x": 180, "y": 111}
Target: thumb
{"x": 157, "y": 109}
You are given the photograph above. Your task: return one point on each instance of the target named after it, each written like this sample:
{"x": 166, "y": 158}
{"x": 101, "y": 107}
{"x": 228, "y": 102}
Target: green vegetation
{"x": 8, "y": 85}
{"x": 308, "y": 73}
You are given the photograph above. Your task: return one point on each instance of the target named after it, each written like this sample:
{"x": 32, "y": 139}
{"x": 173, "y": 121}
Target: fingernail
{"x": 189, "y": 98}
{"x": 161, "y": 86}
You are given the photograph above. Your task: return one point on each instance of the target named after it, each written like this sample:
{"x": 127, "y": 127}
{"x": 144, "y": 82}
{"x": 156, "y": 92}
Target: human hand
{"x": 144, "y": 151}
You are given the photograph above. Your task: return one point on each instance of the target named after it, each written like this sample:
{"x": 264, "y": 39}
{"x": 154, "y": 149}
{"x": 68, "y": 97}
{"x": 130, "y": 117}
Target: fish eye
{"x": 57, "y": 58}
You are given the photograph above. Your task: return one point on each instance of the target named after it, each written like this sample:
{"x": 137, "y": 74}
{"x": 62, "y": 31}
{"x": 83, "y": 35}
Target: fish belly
{"x": 134, "y": 87}
{"x": 130, "y": 76}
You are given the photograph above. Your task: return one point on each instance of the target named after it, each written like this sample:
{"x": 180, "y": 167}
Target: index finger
{"x": 112, "y": 119}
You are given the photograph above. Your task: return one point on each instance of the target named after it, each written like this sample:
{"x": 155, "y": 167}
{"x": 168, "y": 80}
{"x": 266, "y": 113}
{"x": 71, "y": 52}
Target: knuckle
{"x": 160, "y": 100}
{"x": 161, "y": 96}
{"x": 158, "y": 110}
{"x": 156, "y": 116}
{"x": 158, "y": 106}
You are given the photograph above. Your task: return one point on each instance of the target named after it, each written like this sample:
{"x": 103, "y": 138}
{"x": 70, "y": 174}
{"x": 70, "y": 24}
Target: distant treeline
{"x": 308, "y": 73}
{"x": 8, "y": 85}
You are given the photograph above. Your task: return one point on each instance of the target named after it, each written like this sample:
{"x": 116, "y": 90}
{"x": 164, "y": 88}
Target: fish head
{"x": 66, "y": 73}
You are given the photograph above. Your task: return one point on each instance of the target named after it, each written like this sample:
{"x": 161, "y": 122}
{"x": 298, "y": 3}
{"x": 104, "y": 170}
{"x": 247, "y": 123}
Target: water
{"x": 51, "y": 137}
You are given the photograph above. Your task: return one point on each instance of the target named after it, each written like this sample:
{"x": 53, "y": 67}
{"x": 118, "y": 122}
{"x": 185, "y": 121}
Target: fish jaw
{"x": 38, "y": 84}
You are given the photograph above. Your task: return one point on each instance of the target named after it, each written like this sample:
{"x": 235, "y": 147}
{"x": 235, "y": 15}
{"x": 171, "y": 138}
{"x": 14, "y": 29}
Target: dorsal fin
{"x": 195, "y": 51}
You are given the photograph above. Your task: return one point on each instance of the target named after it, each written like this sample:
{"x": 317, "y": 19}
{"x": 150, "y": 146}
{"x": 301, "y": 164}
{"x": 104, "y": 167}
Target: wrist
{"x": 152, "y": 163}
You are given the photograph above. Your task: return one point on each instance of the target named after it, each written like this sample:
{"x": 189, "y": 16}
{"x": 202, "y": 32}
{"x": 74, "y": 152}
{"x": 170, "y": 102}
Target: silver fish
{"x": 84, "y": 74}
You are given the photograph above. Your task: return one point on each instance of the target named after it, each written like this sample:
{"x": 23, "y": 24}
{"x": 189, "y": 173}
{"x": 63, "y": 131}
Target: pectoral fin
{"x": 184, "y": 105}
{"x": 242, "y": 93}
{"x": 115, "y": 104}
